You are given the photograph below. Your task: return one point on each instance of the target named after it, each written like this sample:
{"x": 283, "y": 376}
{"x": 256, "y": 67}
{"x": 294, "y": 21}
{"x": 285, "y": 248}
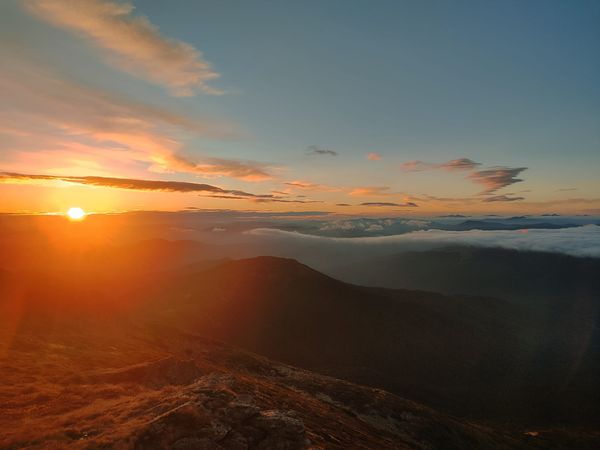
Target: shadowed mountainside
{"x": 526, "y": 277}
{"x": 155, "y": 388}
{"x": 474, "y": 356}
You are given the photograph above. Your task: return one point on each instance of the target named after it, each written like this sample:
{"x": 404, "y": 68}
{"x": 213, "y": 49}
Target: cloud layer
{"x": 131, "y": 43}
{"x": 577, "y": 241}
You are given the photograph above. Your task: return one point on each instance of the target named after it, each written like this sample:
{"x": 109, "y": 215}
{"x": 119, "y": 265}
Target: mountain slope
{"x": 129, "y": 390}
{"x": 472, "y": 356}
{"x": 515, "y": 275}
{"x": 469, "y": 355}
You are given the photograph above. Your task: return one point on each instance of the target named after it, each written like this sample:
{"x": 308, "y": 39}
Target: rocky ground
{"x": 154, "y": 390}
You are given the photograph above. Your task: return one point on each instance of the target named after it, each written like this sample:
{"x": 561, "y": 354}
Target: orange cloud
{"x": 308, "y": 186}
{"x": 374, "y": 156}
{"x": 409, "y": 204}
{"x": 132, "y": 43}
{"x": 371, "y": 191}
{"x": 44, "y": 114}
{"x": 243, "y": 170}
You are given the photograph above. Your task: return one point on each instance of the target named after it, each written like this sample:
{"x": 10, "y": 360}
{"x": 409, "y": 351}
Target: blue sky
{"x": 504, "y": 84}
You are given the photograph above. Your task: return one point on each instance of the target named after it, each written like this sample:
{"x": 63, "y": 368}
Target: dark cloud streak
{"x": 408, "y": 204}
{"x": 315, "y": 150}
{"x": 134, "y": 184}
{"x": 502, "y": 198}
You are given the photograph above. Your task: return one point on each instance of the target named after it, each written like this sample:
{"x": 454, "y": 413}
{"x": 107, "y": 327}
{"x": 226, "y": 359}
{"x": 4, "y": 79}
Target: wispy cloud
{"x": 205, "y": 190}
{"x": 460, "y": 164}
{"x": 132, "y": 184}
{"x": 308, "y": 186}
{"x": 407, "y": 204}
{"x": 235, "y": 168}
{"x": 47, "y": 118}
{"x": 259, "y": 199}
{"x": 452, "y": 165}
{"x": 372, "y": 191}
{"x": 496, "y": 177}
{"x": 315, "y": 150}
{"x": 502, "y": 198}
{"x": 284, "y": 200}
{"x": 374, "y": 156}
{"x": 492, "y": 179}
{"x": 416, "y": 166}
{"x": 131, "y": 42}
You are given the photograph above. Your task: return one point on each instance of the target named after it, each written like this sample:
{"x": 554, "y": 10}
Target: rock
{"x": 153, "y": 374}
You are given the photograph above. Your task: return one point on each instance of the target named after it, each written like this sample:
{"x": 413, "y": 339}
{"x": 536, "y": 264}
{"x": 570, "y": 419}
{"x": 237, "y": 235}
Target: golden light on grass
{"x": 76, "y": 213}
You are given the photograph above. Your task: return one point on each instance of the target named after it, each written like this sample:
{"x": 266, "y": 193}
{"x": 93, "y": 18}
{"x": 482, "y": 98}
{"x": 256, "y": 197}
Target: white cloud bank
{"x": 581, "y": 241}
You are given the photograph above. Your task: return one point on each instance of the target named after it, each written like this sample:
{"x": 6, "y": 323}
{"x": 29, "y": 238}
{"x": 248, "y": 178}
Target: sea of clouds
{"x": 583, "y": 241}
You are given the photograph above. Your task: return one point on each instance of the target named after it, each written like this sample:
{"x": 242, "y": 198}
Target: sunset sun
{"x": 76, "y": 213}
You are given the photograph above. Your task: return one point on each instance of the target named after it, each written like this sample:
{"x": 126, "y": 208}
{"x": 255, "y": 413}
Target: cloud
{"x": 460, "y": 164}
{"x": 374, "y": 156}
{"x": 315, "y": 150}
{"x": 133, "y": 184}
{"x": 502, "y": 198}
{"x": 47, "y": 121}
{"x": 308, "y": 186}
{"x": 343, "y": 204}
{"x": 576, "y": 241}
{"x": 416, "y": 166}
{"x": 131, "y": 43}
{"x": 238, "y": 195}
{"x": 283, "y": 200}
{"x": 210, "y": 166}
{"x": 371, "y": 191}
{"x": 407, "y": 204}
{"x": 496, "y": 177}
{"x": 492, "y": 179}
{"x": 367, "y": 225}
{"x": 567, "y": 189}
{"x": 452, "y": 165}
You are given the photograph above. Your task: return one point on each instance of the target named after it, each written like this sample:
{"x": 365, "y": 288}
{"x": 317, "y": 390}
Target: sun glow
{"x": 76, "y": 213}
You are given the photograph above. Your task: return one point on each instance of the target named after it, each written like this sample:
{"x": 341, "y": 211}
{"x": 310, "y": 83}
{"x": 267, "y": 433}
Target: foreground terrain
{"x": 102, "y": 389}
{"x": 145, "y": 347}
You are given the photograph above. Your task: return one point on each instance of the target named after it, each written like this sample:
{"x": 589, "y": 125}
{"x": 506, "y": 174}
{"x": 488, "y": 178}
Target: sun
{"x": 76, "y": 213}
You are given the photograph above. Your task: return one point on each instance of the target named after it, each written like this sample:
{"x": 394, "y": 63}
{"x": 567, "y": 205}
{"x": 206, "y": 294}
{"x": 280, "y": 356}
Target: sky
{"x": 350, "y": 107}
